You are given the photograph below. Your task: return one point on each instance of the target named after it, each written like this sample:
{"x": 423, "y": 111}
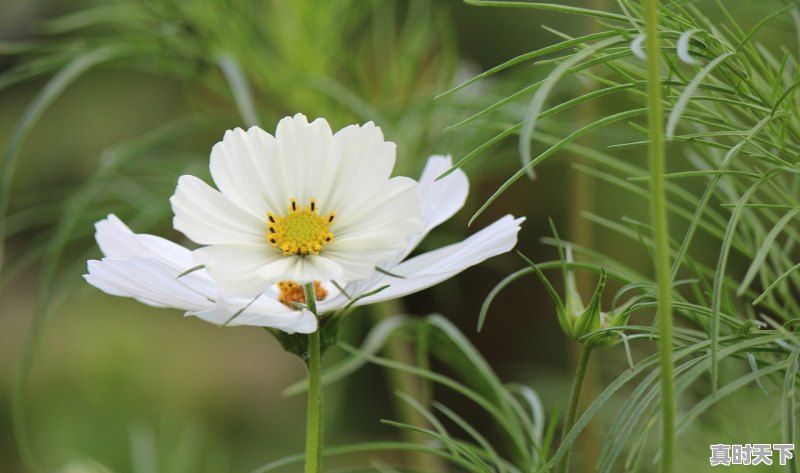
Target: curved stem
{"x": 314, "y": 419}
{"x": 658, "y": 214}
{"x": 574, "y": 397}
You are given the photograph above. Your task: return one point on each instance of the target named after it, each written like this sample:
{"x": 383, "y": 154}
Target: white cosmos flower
{"x": 304, "y": 205}
{"x": 147, "y": 267}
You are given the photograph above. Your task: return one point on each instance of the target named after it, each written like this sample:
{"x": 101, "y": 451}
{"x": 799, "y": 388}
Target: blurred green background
{"x": 121, "y": 385}
{"x": 118, "y": 386}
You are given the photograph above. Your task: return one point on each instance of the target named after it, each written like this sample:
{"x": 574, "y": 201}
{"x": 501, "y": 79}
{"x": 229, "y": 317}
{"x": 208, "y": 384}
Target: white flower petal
{"x": 360, "y": 161}
{"x": 443, "y": 198}
{"x": 375, "y": 232}
{"x": 248, "y": 167}
{"x": 235, "y": 268}
{"x": 117, "y": 241}
{"x": 146, "y": 268}
{"x": 358, "y": 265}
{"x": 428, "y": 269}
{"x": 394, "y": 207}
{"x": 149, "y": 281}
{"x": 207, "y": 217}
{"x": 305, "y": 149}
{"x": 263, "y": 312}
{"x": 398, "y": 194}
{"x": 301, "y": 269}
{"x": 364, "y": 244}
{"x": 440, "y": 199}
{"x": 499, "y": 237}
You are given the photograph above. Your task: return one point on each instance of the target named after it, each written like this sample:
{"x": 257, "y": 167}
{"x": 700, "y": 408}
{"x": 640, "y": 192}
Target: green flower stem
{"x": 574, "y": 397}
{"x": 582, "y": 190}
{"x": 658, "y": 211}
{"x": 314, "y": 420}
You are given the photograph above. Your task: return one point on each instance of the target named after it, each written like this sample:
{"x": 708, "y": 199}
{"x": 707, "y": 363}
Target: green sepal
{"x": 616, "y": 318}
{"x": 573, "y": 302}
{"x": 563, "y": 320}
{"x": 297, "y": 343}
{"x": 589, "y": 320}
{"x": 578, "y": 322}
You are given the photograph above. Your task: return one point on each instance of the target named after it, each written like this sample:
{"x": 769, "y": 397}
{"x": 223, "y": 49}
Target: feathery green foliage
{"x": 732, "y": 190}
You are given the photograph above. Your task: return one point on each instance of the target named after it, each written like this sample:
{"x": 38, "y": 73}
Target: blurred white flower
{"x": 682, "y": 47}
{"x": 152, "y": 269}
{"x": 303, "y": 205}
{"x": 637, "y": 47}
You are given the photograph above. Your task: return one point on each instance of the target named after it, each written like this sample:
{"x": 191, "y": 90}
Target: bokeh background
{"x": 117, "y": 386}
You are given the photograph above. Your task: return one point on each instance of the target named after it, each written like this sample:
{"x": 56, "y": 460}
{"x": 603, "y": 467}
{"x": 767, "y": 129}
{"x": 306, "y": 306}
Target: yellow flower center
{"x": 302, "y": 231}
{"x": 290, "y": 292}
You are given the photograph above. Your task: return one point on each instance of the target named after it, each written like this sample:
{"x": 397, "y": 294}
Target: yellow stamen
{"x": 290, "y": 292}
{"x": 302, "y": 231}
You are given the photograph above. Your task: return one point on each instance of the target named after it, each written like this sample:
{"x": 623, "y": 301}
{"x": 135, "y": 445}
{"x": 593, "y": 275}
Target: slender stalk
{"x": 401, "y": 350}
{"x": 582, "y": 192}
{"x": 574, "y": 397}
{"x": 658, "y": 213}
{"x": 314, "y": 419}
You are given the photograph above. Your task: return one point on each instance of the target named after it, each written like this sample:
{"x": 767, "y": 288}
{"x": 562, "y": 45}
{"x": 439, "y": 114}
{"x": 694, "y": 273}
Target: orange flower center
{"x": 290, "y": 292}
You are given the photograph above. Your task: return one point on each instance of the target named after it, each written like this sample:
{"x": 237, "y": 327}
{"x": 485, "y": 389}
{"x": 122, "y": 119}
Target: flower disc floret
{"x": 290, "y": 291}
{"x": 302, "y": 231}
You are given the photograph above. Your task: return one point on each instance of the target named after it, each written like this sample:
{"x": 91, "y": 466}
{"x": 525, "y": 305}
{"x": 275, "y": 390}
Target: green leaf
{"x": 51, "y": 91}
{"x": 549, "y": 7}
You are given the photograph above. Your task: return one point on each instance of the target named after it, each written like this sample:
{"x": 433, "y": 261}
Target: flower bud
{"x": 579, "y": 322}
